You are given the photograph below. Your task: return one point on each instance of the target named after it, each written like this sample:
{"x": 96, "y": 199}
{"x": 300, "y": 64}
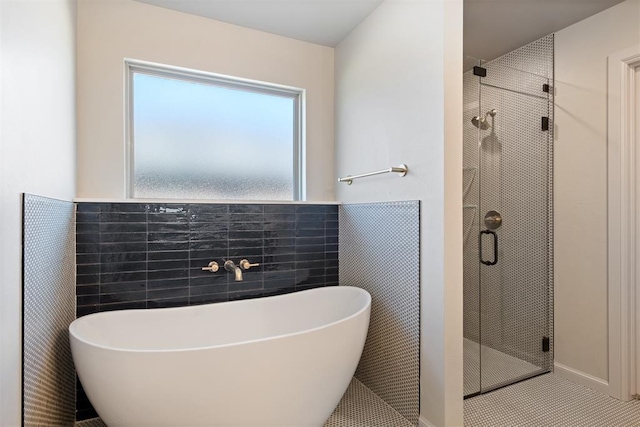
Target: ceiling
{"x": 491, "y": 27}
{"x": 324, "y": 22}
{"x": 495, "y": 27}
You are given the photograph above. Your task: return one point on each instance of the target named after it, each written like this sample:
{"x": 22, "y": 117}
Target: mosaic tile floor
{"x": 497, "y": 367}
{"x": 359, "y": 407}
{"x": 549, "y": 401}
{"x": 95, "y": 422}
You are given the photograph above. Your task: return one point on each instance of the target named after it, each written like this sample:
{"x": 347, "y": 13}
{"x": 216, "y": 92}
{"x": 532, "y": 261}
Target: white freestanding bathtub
{"x": 276, "y": 361}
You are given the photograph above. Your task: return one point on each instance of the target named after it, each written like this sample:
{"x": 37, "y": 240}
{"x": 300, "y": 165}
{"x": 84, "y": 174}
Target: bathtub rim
{"x": 76, "y": 335}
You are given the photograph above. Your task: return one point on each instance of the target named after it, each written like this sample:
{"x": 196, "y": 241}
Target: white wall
{"x": 581, "y": 184}
{"x": 398, "y": 100}
{"x": 37, "y": 151}
{"x": 110, "y": 31}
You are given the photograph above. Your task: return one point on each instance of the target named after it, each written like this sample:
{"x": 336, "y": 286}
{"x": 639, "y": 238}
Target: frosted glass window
{"x": 197, "y": 139}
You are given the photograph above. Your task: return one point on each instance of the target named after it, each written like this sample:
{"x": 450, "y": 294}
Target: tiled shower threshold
{"x": 359, "y": 407}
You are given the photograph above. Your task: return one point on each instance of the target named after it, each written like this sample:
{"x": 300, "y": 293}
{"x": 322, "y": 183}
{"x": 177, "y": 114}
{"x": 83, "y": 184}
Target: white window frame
{"x": 298, "y": 95}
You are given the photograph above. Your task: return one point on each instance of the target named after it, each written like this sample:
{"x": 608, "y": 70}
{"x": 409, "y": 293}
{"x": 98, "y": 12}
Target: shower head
{"x": 482, "y": 122}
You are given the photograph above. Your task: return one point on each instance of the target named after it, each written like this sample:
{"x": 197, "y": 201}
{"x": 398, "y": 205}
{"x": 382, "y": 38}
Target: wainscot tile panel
{"x": 48, "y": 375}
{"x": 132, "y": 255}
{"x": 369, "y": 233}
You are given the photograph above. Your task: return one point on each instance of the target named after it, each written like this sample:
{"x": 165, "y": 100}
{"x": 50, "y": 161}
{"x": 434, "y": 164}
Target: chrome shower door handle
{"x": 495, "y": 247}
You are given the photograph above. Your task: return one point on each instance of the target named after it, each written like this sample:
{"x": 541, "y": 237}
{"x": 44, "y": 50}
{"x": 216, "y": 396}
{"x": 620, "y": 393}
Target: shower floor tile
{"x": 359, "y": 407}
{"x": 497, "y": 367}
{"x": 546, "y": 401}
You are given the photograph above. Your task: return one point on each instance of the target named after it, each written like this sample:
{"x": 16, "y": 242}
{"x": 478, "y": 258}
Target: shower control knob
{"x": 212, "y": 267}
{"x": 493, "y": 220}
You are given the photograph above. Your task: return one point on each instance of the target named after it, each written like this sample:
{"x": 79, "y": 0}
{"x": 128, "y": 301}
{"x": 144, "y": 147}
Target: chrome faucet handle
{"x": 212, "y": 267}
{"x": 245, "y": 265}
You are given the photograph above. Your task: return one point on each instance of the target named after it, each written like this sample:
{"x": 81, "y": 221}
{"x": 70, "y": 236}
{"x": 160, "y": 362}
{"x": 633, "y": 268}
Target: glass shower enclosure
{"x": 507, "y": 214}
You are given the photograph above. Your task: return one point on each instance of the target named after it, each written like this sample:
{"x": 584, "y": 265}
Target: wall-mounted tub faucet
{"x": 237, "y": 269}
{"x": 233, "y": 268}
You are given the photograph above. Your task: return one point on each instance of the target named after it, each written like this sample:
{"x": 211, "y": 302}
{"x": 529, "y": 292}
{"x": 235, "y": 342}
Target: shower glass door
{"x": 471, "y": 230}
{"x": 507, "y": 213}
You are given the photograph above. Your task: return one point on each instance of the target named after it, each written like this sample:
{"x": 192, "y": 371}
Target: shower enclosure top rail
{"x": 401, "y": 170}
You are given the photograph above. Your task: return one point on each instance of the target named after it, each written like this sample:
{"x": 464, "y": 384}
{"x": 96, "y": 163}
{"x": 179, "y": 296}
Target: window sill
{"x": 204, "y": 201}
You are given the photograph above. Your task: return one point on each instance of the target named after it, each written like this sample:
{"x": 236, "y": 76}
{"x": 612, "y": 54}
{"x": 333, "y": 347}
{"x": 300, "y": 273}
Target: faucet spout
{"x": 233, "y": 268}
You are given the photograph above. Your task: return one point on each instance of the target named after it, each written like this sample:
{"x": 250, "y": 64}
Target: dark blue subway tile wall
{"x": 132, "y": 255}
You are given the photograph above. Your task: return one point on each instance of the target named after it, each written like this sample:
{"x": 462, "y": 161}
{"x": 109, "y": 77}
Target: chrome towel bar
{"x": 401, "y": 170}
